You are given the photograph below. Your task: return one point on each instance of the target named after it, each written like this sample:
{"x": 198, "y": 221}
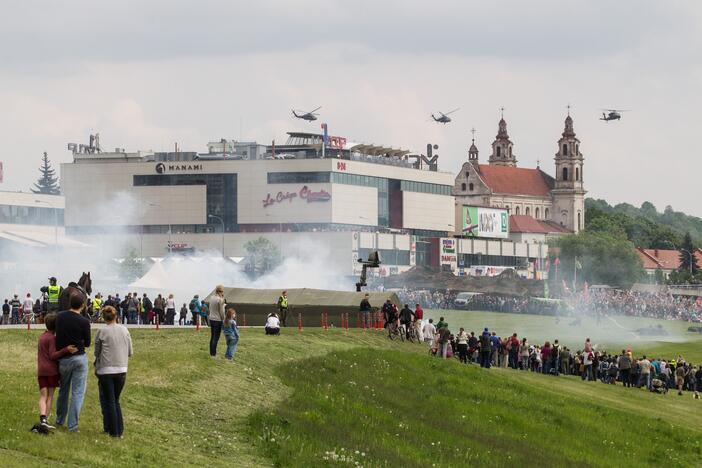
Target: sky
{"x": 146, "y": 75}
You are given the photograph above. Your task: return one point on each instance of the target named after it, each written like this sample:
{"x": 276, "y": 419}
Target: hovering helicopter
{"x": 309, "y": 116}
{"x": 444, "y": 118}
{"x": 611, "y": 114}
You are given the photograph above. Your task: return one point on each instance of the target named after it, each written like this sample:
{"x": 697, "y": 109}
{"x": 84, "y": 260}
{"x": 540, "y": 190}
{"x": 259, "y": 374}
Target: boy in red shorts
{"x": 47, "y": 368}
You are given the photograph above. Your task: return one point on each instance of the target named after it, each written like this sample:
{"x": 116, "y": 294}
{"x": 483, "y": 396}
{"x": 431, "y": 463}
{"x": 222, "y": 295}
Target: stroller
{"x": 660, "y": 384}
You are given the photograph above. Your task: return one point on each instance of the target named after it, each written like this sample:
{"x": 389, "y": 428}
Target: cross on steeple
{"x": 568, "y": 107}
{"x": 472, "y": 130}
{"x": 502, "y": 112}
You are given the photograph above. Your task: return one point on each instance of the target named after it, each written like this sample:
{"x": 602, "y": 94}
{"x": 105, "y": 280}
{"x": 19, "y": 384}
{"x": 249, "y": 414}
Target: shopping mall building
{"x": 330, "y": 198}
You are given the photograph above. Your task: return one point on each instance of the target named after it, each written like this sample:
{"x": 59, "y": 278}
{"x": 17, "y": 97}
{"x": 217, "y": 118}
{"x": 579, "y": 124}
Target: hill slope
{"x": 308, "y": 392}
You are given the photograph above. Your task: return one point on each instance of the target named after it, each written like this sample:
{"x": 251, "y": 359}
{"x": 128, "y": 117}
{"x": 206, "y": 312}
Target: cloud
{"x": 148, "y": 74}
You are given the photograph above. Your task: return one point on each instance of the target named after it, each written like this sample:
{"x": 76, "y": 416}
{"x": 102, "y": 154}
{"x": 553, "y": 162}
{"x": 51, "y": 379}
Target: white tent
{"x": 155, "y": 278}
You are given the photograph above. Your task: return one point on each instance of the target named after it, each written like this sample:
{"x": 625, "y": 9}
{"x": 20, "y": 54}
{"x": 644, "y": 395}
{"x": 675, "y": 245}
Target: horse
{"x": 84, "y": 287}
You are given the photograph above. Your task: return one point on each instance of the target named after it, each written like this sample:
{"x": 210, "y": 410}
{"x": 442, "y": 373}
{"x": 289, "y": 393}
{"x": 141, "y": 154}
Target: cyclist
{"x": 391, "y": 317}
{"x": 407, "y": 316}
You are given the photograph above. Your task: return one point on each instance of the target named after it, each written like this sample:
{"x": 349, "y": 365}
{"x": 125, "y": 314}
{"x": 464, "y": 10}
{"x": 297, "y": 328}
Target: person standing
{"x": 15, "y": 305}
{"x": 428, "y": 331}
{"x": 28, "y": 305}
{"x": 113, "y": 347}
{"x": 231, "y": 333}
{"x": 53, "y": 292}
{"x": 48, "y": 369}
{"x": 485, "y": 349}
{"x": 624, "y": 365}
{"x": 183, "y": 315}
{"x": 5, "y": 313}
{"x": 72, "y": 329}
{"x": 160, "y": 309}
{"x": 216, "y": 317}
{"x": 462, "y": 342}
{"x": 170, "y": 310}
{"x": 283, "y": 307}
{"x": 365, "y": 309}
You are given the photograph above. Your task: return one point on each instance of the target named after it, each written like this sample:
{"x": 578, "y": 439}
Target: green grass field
{"x": 296, "y": 399}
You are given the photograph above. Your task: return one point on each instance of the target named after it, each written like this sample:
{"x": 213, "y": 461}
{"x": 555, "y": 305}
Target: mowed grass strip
{"x": 385, "y": 408}
{"x": 181, "y": 408}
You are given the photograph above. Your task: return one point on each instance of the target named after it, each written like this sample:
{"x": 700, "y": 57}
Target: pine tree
{"x": 47, "y": 182}
{"x": 687, "y": 254}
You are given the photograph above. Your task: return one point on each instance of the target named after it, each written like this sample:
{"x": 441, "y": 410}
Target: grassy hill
{"x": 297, "y": 399}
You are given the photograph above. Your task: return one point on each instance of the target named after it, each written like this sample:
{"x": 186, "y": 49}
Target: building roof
{"x": 527, "y": 224}
{"x": 516, "y": 180}
{"x": 653, "y": 259}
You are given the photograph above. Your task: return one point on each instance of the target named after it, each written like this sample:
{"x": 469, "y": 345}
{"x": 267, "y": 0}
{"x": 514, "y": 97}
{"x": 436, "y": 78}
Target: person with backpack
{"x": 485, "y": 349}
{"x": 194, "y": 307}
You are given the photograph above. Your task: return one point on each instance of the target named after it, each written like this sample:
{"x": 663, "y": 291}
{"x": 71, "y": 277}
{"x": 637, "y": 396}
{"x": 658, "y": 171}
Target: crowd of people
{"x": 637, "y": 304}
{"x": 487, "y": 349}
{"x": 593, "y": 302}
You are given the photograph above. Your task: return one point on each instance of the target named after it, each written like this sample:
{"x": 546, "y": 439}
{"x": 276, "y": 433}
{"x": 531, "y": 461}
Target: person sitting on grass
{"x": 231, "y": 333}
{"x": 113, "y": 347}
{"x": 48, "y": 369}
{"x": 272, "y": 324}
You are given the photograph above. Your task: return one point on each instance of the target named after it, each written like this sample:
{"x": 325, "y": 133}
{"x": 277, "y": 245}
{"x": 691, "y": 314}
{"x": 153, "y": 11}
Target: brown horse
{"x": 84, "y": 287}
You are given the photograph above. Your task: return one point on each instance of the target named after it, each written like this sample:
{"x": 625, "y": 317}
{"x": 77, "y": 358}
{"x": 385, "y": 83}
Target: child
{"x": 231, "y": 333}
{"x": 47, "y": 368}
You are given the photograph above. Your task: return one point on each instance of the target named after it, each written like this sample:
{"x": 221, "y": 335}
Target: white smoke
{"x": 26, "y": 269}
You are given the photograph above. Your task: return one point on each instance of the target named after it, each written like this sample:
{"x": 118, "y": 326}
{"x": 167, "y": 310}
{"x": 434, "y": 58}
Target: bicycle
{"x": 413, "y": 334}
{"x": 395, "y": 331}
{"x": 29, "y": 317}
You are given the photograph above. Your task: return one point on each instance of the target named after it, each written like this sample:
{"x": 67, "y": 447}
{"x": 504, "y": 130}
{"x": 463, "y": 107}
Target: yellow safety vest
{"x": 97, "y": 303}
{"x": 283, "y": 302}
{"x": 54, "y": 294}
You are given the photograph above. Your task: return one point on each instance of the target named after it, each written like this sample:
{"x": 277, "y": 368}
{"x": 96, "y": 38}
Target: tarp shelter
{"x": 309, "y": 303}
{"x": 507, "y": 283}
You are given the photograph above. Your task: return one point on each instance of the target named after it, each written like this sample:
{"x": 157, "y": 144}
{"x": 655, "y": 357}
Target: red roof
{"x": 665, "y": 259}
{"x": 516, "y": 180}
{"x": 524, "y": 223}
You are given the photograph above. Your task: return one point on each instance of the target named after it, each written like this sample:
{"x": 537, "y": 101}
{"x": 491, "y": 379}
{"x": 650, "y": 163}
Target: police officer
{"x": 53, "y": 291}
{"x": 283, "y": 307}
{"x": 97, "y": 303}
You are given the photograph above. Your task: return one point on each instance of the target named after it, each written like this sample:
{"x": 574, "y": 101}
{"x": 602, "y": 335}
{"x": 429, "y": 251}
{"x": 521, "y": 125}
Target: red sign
{"x": 340, "y": 166}
{"x": 305, "y": 193}
{"x": 337, "y": 142}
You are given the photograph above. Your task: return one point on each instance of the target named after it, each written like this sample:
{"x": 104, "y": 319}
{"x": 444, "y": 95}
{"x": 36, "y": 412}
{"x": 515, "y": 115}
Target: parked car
{"x": 463, "y": 299}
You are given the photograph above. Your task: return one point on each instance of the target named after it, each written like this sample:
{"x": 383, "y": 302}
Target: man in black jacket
{"x": 72, "y": 329}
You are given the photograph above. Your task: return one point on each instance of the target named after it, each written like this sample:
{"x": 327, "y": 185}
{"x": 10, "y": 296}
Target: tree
{"x": 263, "y": 256}
{"x": 132, "y": 267}
{"x": 47, "y": 182}
{"x": 603, "y": 258}
{"x": 687, "y": 255}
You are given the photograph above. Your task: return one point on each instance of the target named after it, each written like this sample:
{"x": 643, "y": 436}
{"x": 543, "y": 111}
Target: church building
{"x": 556, "y": 204}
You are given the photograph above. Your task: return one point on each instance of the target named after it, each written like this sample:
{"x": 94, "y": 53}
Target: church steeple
{"x": 569, "y": 207}
{"x": 502, "y": 146}
{"x": 473, "y": 150}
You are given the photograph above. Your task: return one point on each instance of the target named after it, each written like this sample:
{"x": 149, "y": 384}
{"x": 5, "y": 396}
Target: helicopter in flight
{"x": 444, "y": 118}
{"x": 309, "y": 116}
{"x": 611, "y": 114}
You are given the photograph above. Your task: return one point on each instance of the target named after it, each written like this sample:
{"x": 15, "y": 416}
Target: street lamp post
{"x": 222, "y": 222}
{"x": 55, "y": 219}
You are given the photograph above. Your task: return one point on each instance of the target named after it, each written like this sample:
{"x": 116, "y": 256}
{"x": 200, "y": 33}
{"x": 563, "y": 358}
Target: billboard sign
{"x": 477, "y": 221}
{"x": 448, "y": 255}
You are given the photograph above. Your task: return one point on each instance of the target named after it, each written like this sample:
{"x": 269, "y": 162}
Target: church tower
{"x": 473, "y": 152}
{"x": 502, "y": 147}
{"x": 569, "y": 193}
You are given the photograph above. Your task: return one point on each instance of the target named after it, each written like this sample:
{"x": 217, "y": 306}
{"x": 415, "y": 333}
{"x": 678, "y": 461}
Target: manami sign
{"x": 485, "y": 222}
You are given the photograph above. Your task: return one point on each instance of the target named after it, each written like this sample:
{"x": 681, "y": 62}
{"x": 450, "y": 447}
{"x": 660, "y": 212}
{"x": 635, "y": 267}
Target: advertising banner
{"x": 485, "y": 222}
